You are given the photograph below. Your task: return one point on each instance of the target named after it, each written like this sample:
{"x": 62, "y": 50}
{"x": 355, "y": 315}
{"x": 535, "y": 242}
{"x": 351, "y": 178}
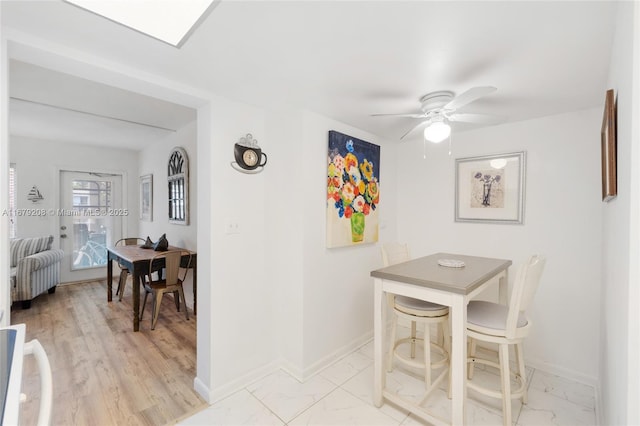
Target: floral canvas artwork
{"x": 353, "y": 191}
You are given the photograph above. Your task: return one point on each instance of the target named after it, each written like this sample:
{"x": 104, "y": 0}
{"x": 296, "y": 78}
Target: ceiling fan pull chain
{"x": 449, "y": 145}
{"x": 424, "y": 149}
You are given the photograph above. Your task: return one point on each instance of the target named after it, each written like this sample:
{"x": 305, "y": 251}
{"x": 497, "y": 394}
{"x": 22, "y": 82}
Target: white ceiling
{"x": 345, "y": 60}
{"x": 50, "y": 105}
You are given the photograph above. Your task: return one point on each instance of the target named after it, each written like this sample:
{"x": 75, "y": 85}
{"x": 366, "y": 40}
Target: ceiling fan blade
{"x": 469, "y": 96}
{"x": 477, "y": 118}
{"x": 420, "y": 115}
{"x": 422, "y": 123}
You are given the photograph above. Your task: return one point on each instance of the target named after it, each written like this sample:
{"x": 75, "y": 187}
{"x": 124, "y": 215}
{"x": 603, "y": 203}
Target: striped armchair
{"x": 35, "y": 268}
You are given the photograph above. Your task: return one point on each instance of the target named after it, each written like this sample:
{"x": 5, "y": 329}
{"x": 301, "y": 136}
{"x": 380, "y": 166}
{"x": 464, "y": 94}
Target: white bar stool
{"x": 417, "y": 311}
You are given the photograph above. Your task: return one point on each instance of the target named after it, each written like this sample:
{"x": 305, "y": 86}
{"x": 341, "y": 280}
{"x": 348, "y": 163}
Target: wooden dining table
{"x": 424, "y": 278}
{"x": 136, "y": 260}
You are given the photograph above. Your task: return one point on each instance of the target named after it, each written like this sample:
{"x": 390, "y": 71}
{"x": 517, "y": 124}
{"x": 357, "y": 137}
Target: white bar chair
{"x": 504, "y": 325}
{"x": 416, "y": 312}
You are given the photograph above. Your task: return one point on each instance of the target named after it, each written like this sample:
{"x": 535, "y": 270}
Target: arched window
{"x": 178, "y": 180}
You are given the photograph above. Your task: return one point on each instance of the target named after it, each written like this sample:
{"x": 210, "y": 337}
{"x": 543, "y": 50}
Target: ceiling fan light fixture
{"x": 437, "y": 131}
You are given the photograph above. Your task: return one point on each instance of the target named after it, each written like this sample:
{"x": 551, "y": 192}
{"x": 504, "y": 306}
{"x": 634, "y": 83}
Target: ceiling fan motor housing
{"x": 435, "y": 100}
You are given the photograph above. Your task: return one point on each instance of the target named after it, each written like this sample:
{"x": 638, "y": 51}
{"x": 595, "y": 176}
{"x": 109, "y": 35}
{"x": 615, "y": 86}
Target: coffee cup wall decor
{"x": 249, "y": 157}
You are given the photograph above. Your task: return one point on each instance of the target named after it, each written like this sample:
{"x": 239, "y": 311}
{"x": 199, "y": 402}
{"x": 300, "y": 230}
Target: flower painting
{"x": 490, "y": 188}
{"x": 353, "y": 190}
{"x": 486, "y": 189}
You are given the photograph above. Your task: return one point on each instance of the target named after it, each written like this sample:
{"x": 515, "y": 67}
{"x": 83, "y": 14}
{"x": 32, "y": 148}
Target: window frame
{"x": 178, "y": 186}
{"x": 13, "y": 186}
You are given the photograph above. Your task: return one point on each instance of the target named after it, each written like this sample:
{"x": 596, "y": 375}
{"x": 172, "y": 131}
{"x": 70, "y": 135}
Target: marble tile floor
{"x": 342, "y": 394}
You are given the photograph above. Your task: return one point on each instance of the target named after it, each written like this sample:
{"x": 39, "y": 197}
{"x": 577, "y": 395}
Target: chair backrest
{"x": 393, "y": 253}
{"x": 132, "y": 241}
{"x": 524, "y": 288}
{"x": 172, "y": 261}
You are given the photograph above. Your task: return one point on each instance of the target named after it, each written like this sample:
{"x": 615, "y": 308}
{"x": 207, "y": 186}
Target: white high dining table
{"x": 425, "y": 279}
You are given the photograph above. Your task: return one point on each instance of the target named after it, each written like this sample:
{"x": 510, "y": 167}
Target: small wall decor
{"x": 609, "y": 148}
{"x": 491, "y": 188}
{"x": 353, "y": 191}
{"x": 35, "y": 195}
{"x": 249, "y": 157}
{"x": 178, "y": 183}
{"x": 146, "y": 198}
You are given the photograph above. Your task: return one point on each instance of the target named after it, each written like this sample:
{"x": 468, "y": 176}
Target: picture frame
{"x": 609, "y": 148}
{"x": 491, "y": 188}
{"x": 146, "y": 198}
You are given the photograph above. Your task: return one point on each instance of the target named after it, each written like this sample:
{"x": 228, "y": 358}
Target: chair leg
{"x": 506, "y": 384}
{"x": 176, "y": 299}
{"x": 184, "y": 301}
{"x": 447, "y": 347}
{"x": 119, "y": 284}
{"x": 523, "y": 371}
{"x": 446, "y": 337}
{"x": 392, "y": 339}
{"x": 413, "y": 339}
{"x": 472, "y": 354}
{"x": 156, "y": 308}
{"x": 427, "y": 355}
{"x": 144, "y": 303}
{"x": 122, "y": 283}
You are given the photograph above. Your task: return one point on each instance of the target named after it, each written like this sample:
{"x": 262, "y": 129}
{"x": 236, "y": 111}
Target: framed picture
{"x": 353, "y": 191}
{"x": 609, "y": 148}
{"x": 490, "y": 189}
{"x": 146, "y": 198}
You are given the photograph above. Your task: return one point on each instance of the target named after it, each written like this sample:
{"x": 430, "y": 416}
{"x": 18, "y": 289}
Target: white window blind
{"x": 13, "y": 231}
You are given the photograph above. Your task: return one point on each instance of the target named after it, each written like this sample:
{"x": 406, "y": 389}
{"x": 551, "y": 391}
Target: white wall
{"x": 279, "y": 297}
{"x": 562, "y": 221}
{"x": 153, "y": 160}
{"x": 38, "y": 162}
{"x": 324, "y": 301}
{"x": 337, "y": 288}
{"x": 284, "y": 255}
{"x": 242, "y": 334}
{"x": 619, "y": 365}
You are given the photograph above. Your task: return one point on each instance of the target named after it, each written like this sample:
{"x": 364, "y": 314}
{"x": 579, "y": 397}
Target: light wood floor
{"x": 103, "y": 372}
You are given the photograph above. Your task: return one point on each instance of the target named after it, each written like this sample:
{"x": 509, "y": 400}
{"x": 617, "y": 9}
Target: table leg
{"x": 136, "y": 283}
{"x": 379, "y": 321}
{"x": 109, "y": 280}
{"x": 458, "y": 313}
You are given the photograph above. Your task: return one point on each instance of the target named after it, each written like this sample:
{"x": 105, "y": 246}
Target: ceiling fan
{"x": 439, "y": 108}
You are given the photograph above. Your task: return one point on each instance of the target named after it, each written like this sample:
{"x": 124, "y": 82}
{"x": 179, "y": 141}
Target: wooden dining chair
{"x": 504, "y": 326}
{"x": 171, "y": 283}
{"x": 416, "y": 311}
{"x": 124, "y": 272}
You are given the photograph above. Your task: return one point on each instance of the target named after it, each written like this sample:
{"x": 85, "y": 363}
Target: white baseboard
{"x": 202, "y": 389}
{"x": 221, "y": 392}
{"x": 325, "y": 362}
{"x": 599, "y": 413}
{"x": 564, "y": 372}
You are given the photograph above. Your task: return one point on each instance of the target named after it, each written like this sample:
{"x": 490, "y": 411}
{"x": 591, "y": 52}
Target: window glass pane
{"x": 178, "y": 186}
{"x": 91, "y": 226}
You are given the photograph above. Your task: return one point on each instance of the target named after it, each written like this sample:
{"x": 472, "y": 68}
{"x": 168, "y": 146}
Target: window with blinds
{"x": 13, "y": 229}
